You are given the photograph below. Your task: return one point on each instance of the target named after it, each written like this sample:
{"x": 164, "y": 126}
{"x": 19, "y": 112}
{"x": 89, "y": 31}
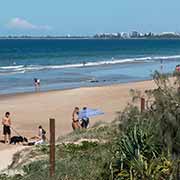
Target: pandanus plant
{"x": 149, "y": 147}
{"x": 138, "y": 157}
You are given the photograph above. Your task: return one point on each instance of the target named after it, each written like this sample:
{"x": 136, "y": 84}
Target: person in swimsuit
{"x": 6, "y": 122}
{"x": 75, "y": 119}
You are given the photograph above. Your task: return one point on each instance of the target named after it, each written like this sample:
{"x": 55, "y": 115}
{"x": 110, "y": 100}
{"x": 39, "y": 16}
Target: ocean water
{"x": 63, "y": 64}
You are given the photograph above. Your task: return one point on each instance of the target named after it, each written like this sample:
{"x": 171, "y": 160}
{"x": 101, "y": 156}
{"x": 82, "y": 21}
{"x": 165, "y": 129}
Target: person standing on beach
{"x": 75, "y": 119}
{"x": 37, "y": 83}
{"x": 6, "y": 122}
{"x": 85, "y": 118}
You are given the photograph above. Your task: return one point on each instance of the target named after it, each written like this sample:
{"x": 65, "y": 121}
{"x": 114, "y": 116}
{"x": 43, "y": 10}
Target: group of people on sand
{"x": 7, "y": 127}
{"x": 80, "y": 120}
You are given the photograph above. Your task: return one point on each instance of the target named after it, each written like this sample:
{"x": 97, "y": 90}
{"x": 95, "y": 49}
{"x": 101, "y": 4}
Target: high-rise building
{"x": 135, "y": 34}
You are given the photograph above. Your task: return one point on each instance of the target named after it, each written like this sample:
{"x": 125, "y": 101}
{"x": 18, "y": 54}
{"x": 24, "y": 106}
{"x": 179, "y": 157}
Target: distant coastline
{"x": 82, "y": 38}
{"x": 86, "y": 38}
{"x": 134, "y": 35}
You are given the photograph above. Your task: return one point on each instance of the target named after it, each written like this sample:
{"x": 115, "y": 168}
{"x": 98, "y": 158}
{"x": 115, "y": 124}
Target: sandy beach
{"x": 28, "y": 111}
{"x": 34, "y": 109}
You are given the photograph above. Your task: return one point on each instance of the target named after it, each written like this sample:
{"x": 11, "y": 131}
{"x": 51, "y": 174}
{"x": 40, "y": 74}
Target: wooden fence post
{"x": 52, "y": 147}
{"x": 178, "y": 170}
{"x": 142, "y": 104}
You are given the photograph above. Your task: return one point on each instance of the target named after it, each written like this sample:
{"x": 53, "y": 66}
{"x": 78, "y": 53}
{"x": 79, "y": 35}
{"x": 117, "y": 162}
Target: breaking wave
{"x": 29, "y": 68}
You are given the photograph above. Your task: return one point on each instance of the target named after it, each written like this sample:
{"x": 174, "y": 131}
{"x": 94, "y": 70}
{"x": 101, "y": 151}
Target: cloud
{"x": 23, "y": 24}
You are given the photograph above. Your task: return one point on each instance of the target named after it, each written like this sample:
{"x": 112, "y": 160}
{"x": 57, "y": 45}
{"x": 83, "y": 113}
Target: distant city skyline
{"x": 63, "y": 17}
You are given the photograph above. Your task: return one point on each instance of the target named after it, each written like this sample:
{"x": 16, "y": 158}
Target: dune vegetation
{"x": 136, "y": 146}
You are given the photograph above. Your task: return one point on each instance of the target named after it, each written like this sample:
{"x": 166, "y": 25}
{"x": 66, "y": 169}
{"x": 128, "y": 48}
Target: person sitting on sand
{"x": 40, "y": 138}
{"x": 6, "y": 121}
{"x": 75, "y": 119}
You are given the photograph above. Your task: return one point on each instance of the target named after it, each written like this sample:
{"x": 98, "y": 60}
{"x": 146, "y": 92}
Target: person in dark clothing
{"x": 85, "y": 118}
{"x": 6, "y": 122}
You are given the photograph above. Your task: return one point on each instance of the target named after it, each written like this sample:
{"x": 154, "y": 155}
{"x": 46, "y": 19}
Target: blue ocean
{"x": 73, "y": 63}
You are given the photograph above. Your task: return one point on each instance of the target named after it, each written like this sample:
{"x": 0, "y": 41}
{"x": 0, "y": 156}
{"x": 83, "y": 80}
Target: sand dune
{"x": 6, "y": 155}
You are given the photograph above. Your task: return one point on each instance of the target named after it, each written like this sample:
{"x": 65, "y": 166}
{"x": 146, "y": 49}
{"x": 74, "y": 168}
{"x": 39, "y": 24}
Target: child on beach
{"x": 6, "y": 122}
{"x": 75, "y": 119}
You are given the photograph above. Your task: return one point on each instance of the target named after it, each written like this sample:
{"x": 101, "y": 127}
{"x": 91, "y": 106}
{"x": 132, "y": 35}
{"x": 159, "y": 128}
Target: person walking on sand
{"x": 6, "y": 122}
{"x": 75, "y": 119}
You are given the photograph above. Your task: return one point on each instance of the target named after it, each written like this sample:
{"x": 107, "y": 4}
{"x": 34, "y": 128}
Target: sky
{"x": 87, "y": 17}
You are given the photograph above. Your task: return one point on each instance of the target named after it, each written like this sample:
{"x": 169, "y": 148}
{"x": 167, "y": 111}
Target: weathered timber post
{"x": 52, "y": 147}
{"x": 142, "y": 104}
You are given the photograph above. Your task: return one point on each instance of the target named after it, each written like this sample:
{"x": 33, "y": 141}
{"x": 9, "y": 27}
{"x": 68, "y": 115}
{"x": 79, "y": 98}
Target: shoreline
{"x": 18, "y": 94}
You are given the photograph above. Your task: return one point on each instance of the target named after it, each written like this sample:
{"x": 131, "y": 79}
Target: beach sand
{"x": 6, "y": 156}
{"x": 28, "y": 111}
{"x": 34, "y": 109}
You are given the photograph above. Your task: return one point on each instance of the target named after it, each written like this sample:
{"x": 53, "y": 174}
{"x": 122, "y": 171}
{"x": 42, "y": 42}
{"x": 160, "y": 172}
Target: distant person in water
{"x": 75, "y": 119}
{"x": 37, "y": 83}
{"x": 6, "y": 122}
{"x": 84, "y": 63}
{"x": 161, "y": 65}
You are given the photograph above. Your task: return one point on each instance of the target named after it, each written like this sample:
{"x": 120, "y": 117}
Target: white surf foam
{"x": 29, "y": 68}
